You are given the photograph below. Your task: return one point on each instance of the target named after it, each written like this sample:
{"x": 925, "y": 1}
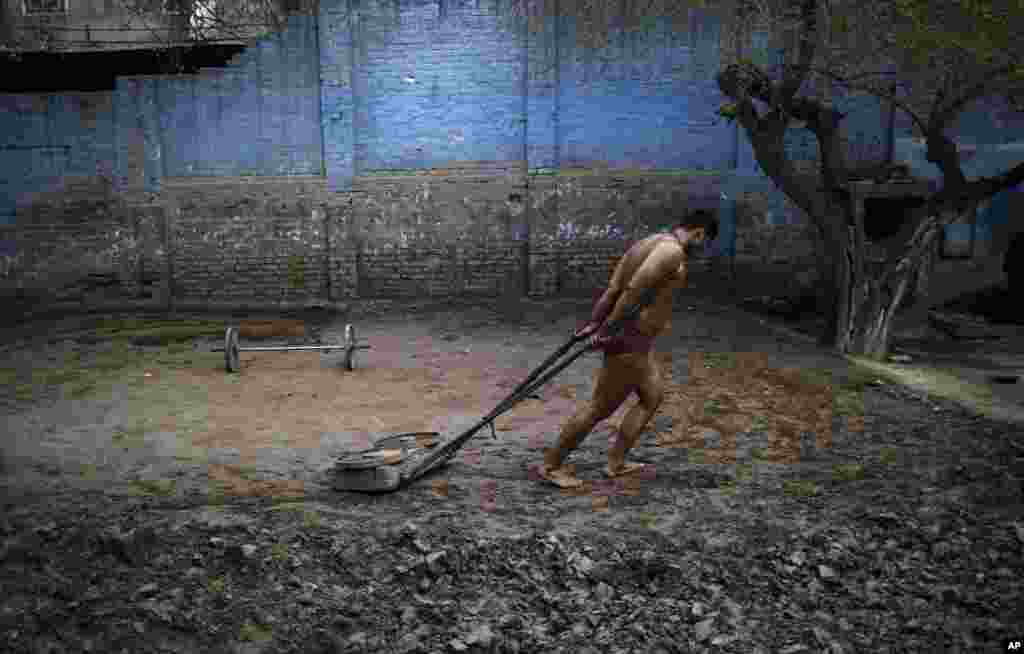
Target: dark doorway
{"x": 884, "y": 217}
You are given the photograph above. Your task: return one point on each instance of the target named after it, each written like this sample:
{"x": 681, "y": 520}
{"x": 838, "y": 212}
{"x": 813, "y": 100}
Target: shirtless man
{"x": 629, "y": 363}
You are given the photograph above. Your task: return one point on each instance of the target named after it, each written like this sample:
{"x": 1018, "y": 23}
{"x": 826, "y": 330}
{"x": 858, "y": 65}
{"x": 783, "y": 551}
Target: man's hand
{"x": 600, "y": 339}
{"x": 587, "y": 329}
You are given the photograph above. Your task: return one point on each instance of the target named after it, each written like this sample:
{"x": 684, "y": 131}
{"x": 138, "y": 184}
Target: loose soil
{"x": 155, "y": 503}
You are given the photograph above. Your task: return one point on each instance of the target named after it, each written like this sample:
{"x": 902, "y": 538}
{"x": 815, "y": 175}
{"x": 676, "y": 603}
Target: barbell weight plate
{"x": 231, "y": 356}
{"x": 227, "y": 349}
{"x": 350, "y": 347}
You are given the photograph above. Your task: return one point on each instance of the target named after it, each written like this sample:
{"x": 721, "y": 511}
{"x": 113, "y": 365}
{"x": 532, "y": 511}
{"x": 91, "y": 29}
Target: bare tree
{"x": 215, "y": 21}
{"x": 932, "y": 59}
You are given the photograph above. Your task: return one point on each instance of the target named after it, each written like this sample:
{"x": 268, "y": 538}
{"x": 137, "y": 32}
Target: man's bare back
{"x": 661, "y": 247}
{"x": 658, "y": 260}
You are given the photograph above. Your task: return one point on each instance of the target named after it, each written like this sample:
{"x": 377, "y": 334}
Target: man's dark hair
{"x": 701, "y": 218}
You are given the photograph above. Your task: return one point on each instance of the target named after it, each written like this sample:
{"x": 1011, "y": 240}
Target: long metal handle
{"x": 525, "y": 389}
{"x": 547, "y": 363}
{"x": 506, "y": 405}
{"x": 613, "y": 328}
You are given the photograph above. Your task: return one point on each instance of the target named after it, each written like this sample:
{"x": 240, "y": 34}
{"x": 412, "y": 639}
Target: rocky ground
{"x": 905, "y": 534}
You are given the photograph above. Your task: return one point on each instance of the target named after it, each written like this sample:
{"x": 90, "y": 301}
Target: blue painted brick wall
{"x": 49, "y": 140}
{"x": 258, "y": 116}
{"x": 430, "y": 89}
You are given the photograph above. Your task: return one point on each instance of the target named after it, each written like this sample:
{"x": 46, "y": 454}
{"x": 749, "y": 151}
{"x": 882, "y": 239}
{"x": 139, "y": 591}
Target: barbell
{"x": 231, "y": 349}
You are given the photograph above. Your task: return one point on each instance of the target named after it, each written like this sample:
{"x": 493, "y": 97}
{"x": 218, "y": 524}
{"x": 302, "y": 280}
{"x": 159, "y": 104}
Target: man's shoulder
{"x": 662, "y": 243}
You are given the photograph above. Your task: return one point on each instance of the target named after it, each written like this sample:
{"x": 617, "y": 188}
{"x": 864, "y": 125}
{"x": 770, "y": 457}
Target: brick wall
{"x": 258, "y": 116}
{"x": 469, "y": 230}
{"x": 426, "y": 132}
{"x": 54, "y": 144}
{"x": 116, "y": 253}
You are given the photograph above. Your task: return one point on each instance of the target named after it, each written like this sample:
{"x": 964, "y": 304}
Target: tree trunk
{"x": 923, "y": 280}
{"x": 866, "y": 308}
{"x": 867, "y": 301}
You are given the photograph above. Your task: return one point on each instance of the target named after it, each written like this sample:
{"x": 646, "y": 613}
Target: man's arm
{"x": 609, "y": 297}
{"x": 659, "y": 265}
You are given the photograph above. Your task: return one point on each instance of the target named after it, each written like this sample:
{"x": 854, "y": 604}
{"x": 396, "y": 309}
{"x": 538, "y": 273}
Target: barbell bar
{"x": 232, "y": 362}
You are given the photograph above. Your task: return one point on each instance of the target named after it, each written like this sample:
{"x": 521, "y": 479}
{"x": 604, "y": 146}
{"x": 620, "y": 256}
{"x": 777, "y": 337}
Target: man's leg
{"x": 651, "y": 390}
{"x": 611, "y": 390}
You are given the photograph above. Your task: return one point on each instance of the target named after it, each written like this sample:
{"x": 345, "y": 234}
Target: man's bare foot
{"x": 559, "y": 477}
{"x": 625, "y": 469}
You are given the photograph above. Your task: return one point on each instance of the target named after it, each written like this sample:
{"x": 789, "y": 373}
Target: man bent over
{"x": 629, "y": 364}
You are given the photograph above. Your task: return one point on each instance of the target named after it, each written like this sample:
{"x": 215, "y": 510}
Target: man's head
{"x": 697, "y": 228}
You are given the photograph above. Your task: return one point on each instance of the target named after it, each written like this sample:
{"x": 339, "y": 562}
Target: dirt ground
{"x": 154, "y": 503}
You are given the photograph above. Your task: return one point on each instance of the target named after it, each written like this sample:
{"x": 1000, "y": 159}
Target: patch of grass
{"x": 296, "y": 271}
{"x": 286, "y": 504}
{"x": 279, "y": 552}
{"x": 816, "y": 377}
{"x": 280, "y": 439}
{"x": 157, "y": 487}
{"x": 759, "y": 423}
{"x": 744, "y": 472}
{"x": 88, "y": 471}
{"x": 8, "y": 376}
{"x": 696, "y": 455}
{"x": 758, "y": 454}
{"x": 114, "y": 326}
{"x": 712, "y": 408}
{"x": 161, "y": 332}
{"x": 848, "y": 403}
{"x": 217, "y": 585}
{"x": 186, "y": 451}
{"x": 311, "y": 519}
{"x": 719, "y": 360}
{"x": 249, "y": 472}
{"x": 24, "y": 391}
{"x": 217, "y": 493}
{"x": 648, "y": 520}
{"x": 848, "y": 472}
{"x": 117, "y": 359}
{"x": 859, "y": 378}
{"x": 799, "y": 488}
{"x": 727, "y": 486}
{"x": 132, "y": 436}
{"x": 935, "y": 381}
{"x": 254, "y": 633}
{"x": 54, "y": 376}
{"x": 216, "y": 497}
{"x": 179, "y": 347}
{"x": 82, "y": 389}
{"x": 888, "y": 456}
{"x": 191, "y": 359}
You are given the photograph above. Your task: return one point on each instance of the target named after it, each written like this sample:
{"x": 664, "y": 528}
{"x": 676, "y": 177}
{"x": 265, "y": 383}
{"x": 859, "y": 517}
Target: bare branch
{"x": 758, "y": 86}
{"x": 992, "y": 82}
{"x": 887, "y": 95}
{"x": 986, "y": 187}
{"x": 796, "y": 75}
{"x": 942, "y": 152}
